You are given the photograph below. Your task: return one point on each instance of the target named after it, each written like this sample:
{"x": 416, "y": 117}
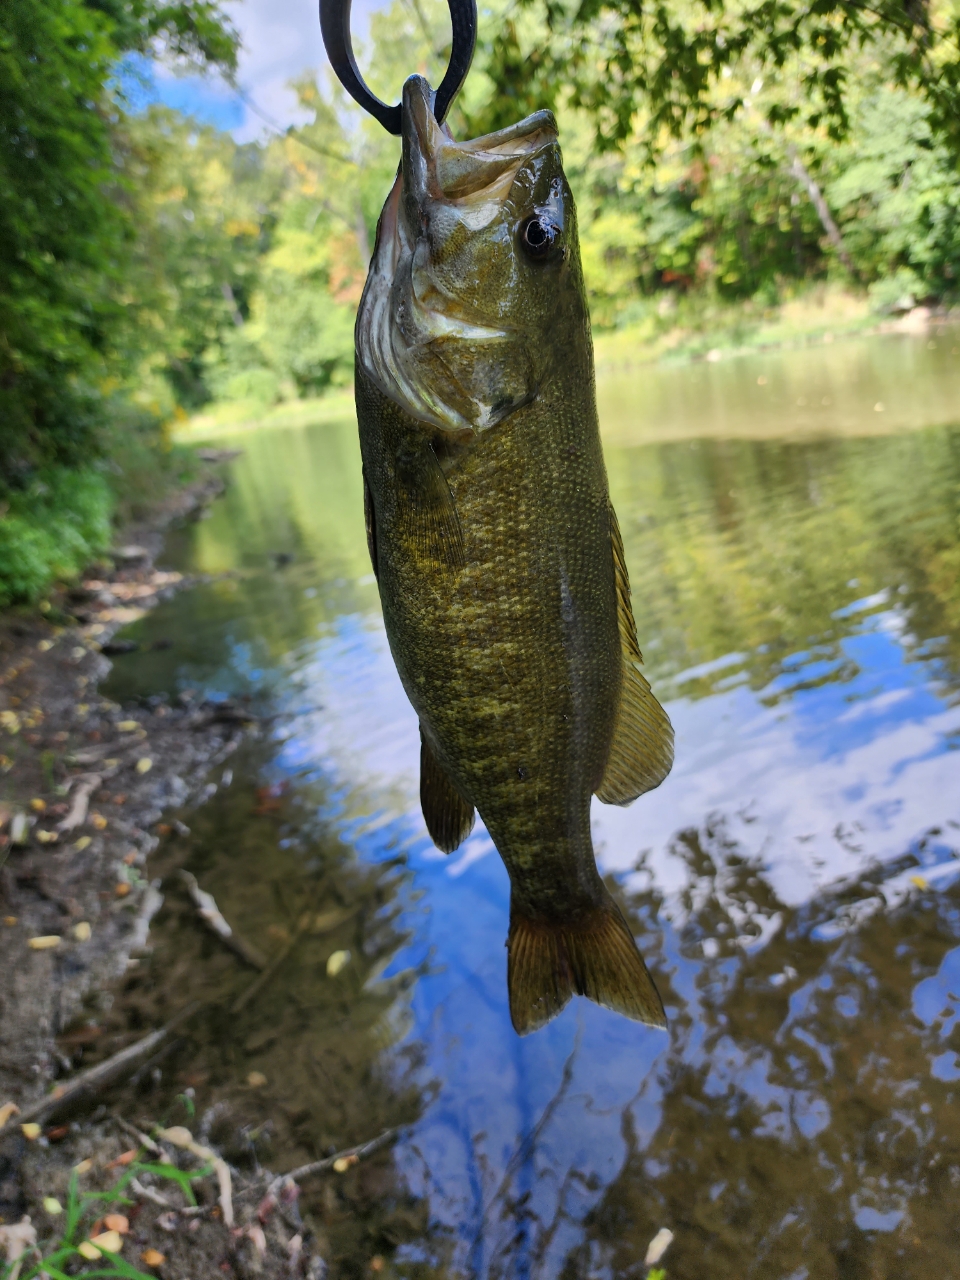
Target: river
{"x": 792, "y": 527}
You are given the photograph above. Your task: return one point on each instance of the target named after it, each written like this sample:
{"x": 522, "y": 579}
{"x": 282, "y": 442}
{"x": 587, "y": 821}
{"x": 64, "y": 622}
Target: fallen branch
{"x": 94, "y": 1081}
{"x": 213, "y": 918}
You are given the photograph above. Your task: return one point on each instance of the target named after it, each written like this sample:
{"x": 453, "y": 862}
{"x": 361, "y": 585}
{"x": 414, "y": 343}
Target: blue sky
{"x": 280, "y": 41}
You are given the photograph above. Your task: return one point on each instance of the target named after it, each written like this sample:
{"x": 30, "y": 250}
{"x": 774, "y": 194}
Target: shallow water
{"x": 792, "y": 884}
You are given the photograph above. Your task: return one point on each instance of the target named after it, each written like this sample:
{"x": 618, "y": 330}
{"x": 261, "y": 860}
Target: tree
{"x": 667, "y": 59}
{"x": 64, "y": 232}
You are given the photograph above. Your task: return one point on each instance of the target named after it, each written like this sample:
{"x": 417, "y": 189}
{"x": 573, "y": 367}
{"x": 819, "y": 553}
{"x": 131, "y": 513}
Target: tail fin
{"x": 594, "y": 956}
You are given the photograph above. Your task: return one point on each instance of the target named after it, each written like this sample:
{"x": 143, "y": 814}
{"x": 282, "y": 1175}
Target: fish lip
{"x": 406, "y": 315}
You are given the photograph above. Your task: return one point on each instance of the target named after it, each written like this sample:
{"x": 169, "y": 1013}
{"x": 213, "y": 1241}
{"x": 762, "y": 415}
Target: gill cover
{"x": 475, "y": 248}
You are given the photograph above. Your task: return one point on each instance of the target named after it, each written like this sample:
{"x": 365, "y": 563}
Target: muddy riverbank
{"x": 84, "y": 787}
{"x": 147, "y": 1079}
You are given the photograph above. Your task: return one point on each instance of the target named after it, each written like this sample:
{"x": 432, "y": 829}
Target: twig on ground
{"x": 97, "y": 1078}
{"x": 83, "y": 788}
{"x": 344, "y": 1159}
{"x": 148, "y": 1193}
{"x": 183, "y": 1138}
{"x": 134, "y": 1132}
{"x": 150, "y": 904}
{"x": 213, "y": 918}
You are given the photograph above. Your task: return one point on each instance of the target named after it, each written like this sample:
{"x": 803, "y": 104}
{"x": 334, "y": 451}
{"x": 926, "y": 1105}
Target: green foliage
{"x": 65, "y": 234}
{"x": 666, "y": 60}
{"x": 59, "y": 227}
{"x": 205, "y": 212}
{"x": 52, "y": 529}
{"x": 895, "y": 186}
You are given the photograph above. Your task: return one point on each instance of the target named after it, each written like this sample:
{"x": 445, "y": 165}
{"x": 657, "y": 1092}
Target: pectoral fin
{"x": 370, "y": 520}
{"x": 426, "y": 511}
{"x": 448, "y": 816}
{"x": 641, "y": 752}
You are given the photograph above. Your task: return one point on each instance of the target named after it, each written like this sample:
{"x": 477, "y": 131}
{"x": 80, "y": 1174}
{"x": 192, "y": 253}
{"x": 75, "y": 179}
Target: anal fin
{"x": 448, "y": 816}
{"x": 641, "y": 751}
{"x": 594, "y": 956}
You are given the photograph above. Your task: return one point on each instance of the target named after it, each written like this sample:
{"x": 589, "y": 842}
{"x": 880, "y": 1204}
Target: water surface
{"x": 796, "y": 578}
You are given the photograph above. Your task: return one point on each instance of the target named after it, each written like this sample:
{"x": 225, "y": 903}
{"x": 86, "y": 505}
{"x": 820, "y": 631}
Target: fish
{"x": 496, "y": 549}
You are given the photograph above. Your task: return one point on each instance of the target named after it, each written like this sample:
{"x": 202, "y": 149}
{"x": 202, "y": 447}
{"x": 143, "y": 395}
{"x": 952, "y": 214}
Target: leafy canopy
{"x": 668, "y": 59}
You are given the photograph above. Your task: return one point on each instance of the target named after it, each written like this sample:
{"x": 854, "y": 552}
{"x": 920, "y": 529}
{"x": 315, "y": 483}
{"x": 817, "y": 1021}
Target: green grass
{"x": 82, "y": 1208}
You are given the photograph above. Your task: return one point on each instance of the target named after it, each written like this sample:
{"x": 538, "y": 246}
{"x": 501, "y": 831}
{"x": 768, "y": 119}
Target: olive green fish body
{"x": 496, "y": 550}
{"x": 509, "y": 652}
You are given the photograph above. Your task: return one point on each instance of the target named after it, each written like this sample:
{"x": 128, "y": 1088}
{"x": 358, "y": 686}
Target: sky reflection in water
{"x": 790, "y": 882}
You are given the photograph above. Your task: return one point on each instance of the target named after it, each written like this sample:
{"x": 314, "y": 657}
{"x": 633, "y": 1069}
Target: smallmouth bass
{"x": 496, "y": 550}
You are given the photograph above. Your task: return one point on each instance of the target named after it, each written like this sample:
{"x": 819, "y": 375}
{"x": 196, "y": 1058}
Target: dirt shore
{"x": 84, "y": 786}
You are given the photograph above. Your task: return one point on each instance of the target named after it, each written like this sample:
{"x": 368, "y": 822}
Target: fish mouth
{"x": 431, "y": 334}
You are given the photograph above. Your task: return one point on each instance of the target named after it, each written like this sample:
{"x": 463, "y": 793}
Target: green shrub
{"x": 51, "y": 530}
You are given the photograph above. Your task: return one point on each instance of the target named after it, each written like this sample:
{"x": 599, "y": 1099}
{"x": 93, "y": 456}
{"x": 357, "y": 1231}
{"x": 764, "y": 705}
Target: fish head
{"x": 476, "y": 263}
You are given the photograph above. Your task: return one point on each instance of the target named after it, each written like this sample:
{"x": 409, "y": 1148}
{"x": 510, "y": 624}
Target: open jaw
{"x": 433, "y": 331}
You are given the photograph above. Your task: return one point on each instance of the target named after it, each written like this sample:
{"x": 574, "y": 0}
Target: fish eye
{"x": 538, "y": 236}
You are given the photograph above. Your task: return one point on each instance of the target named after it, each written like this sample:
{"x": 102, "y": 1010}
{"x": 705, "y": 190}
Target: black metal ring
{"x": 335, "y": 26}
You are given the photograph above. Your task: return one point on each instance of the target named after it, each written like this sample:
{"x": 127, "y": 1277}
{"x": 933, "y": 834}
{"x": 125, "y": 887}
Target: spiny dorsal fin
{"x": 448, "y": 816}
{"x": 594, "y": 956}
{"x": 641, "y": 751}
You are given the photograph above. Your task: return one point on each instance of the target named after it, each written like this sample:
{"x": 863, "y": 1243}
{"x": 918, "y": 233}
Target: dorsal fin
{"x": 641, "y": 751}
{"x": 448, "y": 816}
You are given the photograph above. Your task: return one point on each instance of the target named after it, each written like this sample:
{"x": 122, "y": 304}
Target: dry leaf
{"x": 83, "y": 1167}
{"x": 128, "y": 1157}
{"x": 88, "y": 1251}
{"x": 658, "y": 1246}
{"x": 121, "y": 889}
{"x": 110, "y": 1241}
{"x": 117, "y": 1222}
{"x": 98, "y": 820}
{"x": 8, "y": 1110}
{"x": 152, "y": 1258}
